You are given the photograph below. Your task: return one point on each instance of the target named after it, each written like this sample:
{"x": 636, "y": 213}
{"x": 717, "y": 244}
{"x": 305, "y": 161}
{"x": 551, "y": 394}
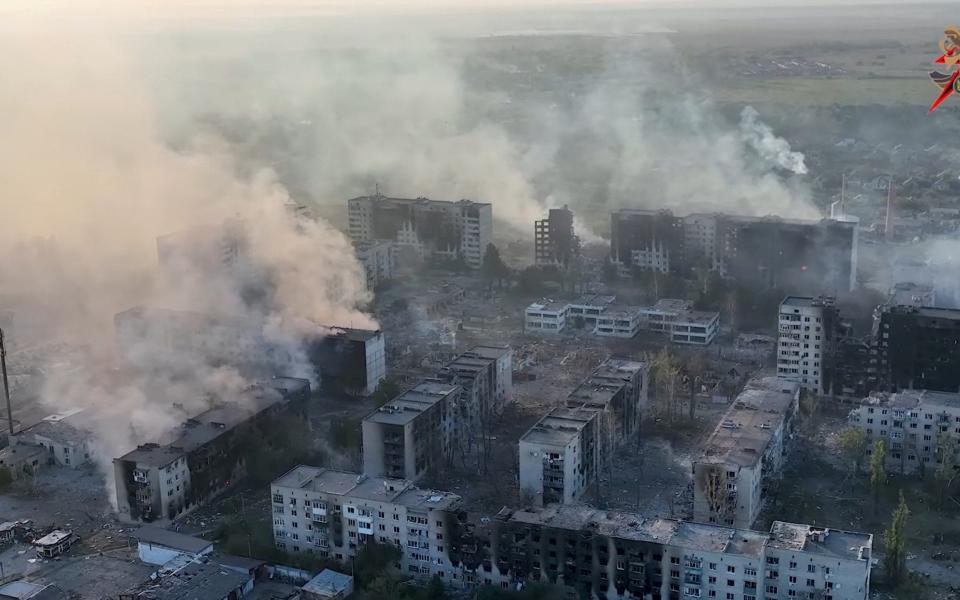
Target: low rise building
{"x": 585, "y": 311}
{"x": 408, "y": 435}
{"x": 23, "y": 460}
{"x": 678, "y": 320}
{"x": 328, "y": 585}
{"x": 332, "y": 513}
{"x": 623, "y": 556}
{"x": 546, "y": 316}
{"x": 160, "y": 482}
{"x": 917, "y": 427}
{"x": 158, "y": 546}
{"x": 743, "y": 453}
{"x": 65, "y": 436}
{"x": 620, "y": 321}
{"x": 184, "y": 578}
{"x": 55, "y": 543}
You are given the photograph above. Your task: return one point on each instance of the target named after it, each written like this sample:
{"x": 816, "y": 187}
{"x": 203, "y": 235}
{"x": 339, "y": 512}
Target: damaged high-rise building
{"x": 485, "y": 377}
{"x": 759, "y": 251}
{"x": 555, "y": 241}
{"x": 424, "y": 229}
{"x": 810, "y": 335}
{"x": 205, "y": 455}
{"x": 917, "y": 348}
{"x": 345, "y": 360}
{"x": 564, "y": 453}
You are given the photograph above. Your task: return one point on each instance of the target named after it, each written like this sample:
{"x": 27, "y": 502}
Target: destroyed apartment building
{"x": 485, "y": 376}
{"x": 757, "y": 251}
{"x": 207, "y": 454}
{"x": 744, "y": 452}
{"x": 809, "y": 339}
{"x": 913, "y": 425}
{"x": 622, "y": 556}
{"x": 555, "y": 241}
{"x": 424, "y": 229}
{"x": 347, "y": 360}
{"x": 601, "y": 316}
{"x": 918, "y": 348}
{"x": 407, "y": 436}
{"x": 331, "y": 514}
{"x": 564, "y": 452}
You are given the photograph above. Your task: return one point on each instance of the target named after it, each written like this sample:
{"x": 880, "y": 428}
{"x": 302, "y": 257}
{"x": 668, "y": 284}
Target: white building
{"x": 65, "y": 435}
{"x": 158, "y": 546}
{"x": 546, "y": 316}
{"x": 378, "y": 260}
{"x": 622, "y": 322}
{"x": 411, "y": 433}
{"x": 428, "y": 228}
{"x": 915, "y": 425}
{"x": 744, "y": 451}
{"x": 332, "y": 513}
{"x": 805, "y": 328}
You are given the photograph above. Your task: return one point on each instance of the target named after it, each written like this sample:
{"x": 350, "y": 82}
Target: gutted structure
{"x": 555, "y": 242}
{"x": 918, "y": 348}
{"x": 332, "y": 513}
{"x": 378, "y": 260}
{"x": 208, "y": 453}
{"x": 408, "y": 435}
{"x": 917, "y": 426}
{"x": 624, "y": 556}
{"x": 424, "y": 229}
{"x": 743, "y": 453}
{"x": 65, "y": 435}
{"x": 564, "y": 452}
{"x": 485, "y": 377}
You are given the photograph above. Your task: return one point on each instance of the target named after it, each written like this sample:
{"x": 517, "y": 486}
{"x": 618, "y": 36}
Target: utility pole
{"x": 6, "y": 385}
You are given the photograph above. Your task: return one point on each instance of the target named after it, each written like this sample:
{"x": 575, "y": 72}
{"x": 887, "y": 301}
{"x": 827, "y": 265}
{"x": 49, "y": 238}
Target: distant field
{"x": 810, "y": 91}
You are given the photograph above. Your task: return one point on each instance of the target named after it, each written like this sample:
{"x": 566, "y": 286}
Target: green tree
{"x": 666, "y": 374}
{"x": 894, "y": 545}
{"x": 878, "y": 473}
{"x": 493, "y": 267}
{"x": 385, "y": 392}
{"x": 853, "y": 444}
{"x": 946, "y": 472}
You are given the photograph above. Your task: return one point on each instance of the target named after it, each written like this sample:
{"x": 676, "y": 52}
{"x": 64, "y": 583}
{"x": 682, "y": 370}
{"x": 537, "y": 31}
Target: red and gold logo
{"x": 950, "y": 57}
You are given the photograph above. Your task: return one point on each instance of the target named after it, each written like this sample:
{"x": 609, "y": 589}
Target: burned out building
{"x": 406, "y": 437}
{"x": 485, "y": 377}
{"x": 917, "y": 348}
{"x": 744, "y": 452}
{"x": 345, "y": 360}
{"x": 758, "y": 251}
{"x": 564, "y": 452}
{"x": 624, "y": 556}
{"x": 424, "y": 229}
{"x": 205, "y": 455}
{"x": 555, "y": 241}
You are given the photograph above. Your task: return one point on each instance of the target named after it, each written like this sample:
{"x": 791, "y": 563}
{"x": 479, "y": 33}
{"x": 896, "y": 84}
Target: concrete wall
{"x": 373, "y": 463}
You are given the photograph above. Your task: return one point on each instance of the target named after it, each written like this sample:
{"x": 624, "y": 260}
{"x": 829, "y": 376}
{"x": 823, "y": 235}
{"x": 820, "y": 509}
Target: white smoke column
{"x": 771, "y": 148}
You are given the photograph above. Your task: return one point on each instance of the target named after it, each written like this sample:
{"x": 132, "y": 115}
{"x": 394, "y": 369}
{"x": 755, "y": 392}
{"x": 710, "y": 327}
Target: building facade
{"x": 744, "y": 452}
{"x": 485, "y": 377}
{"x": 808, "y": 343}
{"x": 378, "y": 260}
{"x": 917, "y": 427}
{"x": 161, "y": 482}
{"x": 626, "y": 556}
{"x": 555, "y": 241}
{"x": 424, "y": 228}
{"x": 411, "y": 434}
{"x": 333, "y": 513}
{"x": 918, "y": 348}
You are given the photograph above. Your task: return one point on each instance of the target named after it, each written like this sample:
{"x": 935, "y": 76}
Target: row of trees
{"x": 676, "y": 379}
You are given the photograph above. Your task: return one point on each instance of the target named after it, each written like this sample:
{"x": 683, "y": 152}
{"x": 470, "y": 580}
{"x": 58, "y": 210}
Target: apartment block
{"x": 409, "y": 435}
{"x": 563, "y": 453}
{"x": 207, "y": 454}
{"x": 743, "y": 453}
{"x": 918, "y": 348}
{"x": 916, "y": 426}
{"x": 624, "y": 556}
{"x": 425, "y": 229}
{"x": 378, "y": 260}
{"x": 555, "y": 242}
{"x": 808, "y": 344}
{"x": 767, "y": 251}
{"x": 332, "y": 513}
{"x": 347, "y": 360}
{"x": 65, "y": 435}
{"x": 485, "y": 376}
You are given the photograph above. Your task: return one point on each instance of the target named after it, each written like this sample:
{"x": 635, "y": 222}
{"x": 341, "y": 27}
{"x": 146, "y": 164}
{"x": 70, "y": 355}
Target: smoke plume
{"x": 771, "y": 148}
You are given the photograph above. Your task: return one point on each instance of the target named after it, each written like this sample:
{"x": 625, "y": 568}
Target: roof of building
{"x": 807, "y": 302}
{"x": 489, "y": 352}
{"x": 630, "y": 526}
{"x": 621, "y": 311}
{"x": 594, "y": 300}
{"x": 152, "y": 534}
{"x": 821, "y": 540}
{"x": 699, "y": 317}
{"x": 559, "y": 427}
{"x": 231, "y": 561}
{"x": 21, "y": 590}
{"x": 797, "y": 301}
{"x": 747, "y": 427}
{"x": 352, "y": 334}
{"x": 328, "y": 583}
{"x": 548, "y": 305}
{"x": 20, "y": 452}
{"x": 66, "y": 427}
{"x": 363, "y": 487}
{"x": 412, "y": 403}
{"x": 53, "y": 538}
{"x": 198, "y": 580}
{"x": 672, "y": 305}
{"x": 421, "y": 201}
{"x": 910, "y": 399}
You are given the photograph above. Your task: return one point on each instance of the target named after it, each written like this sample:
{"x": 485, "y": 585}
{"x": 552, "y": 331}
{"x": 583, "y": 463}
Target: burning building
{"x": 555, "y": 241}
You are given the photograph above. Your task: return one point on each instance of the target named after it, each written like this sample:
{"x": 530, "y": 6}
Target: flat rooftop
{"x": 699, "y": 317}
{"x": 195, "y": 580}
{"x": 747, "y": 427}
{"x": 634, "y": 527}
{"x": 153, "y": 534}
{"x": 594, "y": 300}
{"x": 548, "y": 305}
{"x": 821, "y": 540}
{"x": 620, "y": 311}
{"x": 559, "y": 427}
{"x": 412, "y": 403}
{"x": 672, "y": 305}
{"x": 363, "y": 487}
{"x": 915, "y": 399}
{"x": 489, "y": 352}
{"x": 352, "y": 334}
{"x": 418, "y": 201}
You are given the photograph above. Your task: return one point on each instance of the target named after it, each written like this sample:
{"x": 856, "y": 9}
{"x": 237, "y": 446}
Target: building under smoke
{"x": 809, "y": 338}
{"x": 485, "y": 377}
{"x": 207, "y": 453}
{"x": 762, "y": 252}
{"x": 555, "y": 241}
{"x": 918, "y": 348}
{"x": 424, "y": 229}
{"x": 344, "y": 360}
{"x": 378, "y": 260}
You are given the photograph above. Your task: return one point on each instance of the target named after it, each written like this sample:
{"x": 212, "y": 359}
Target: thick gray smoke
{"x": 771, "y": 148}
